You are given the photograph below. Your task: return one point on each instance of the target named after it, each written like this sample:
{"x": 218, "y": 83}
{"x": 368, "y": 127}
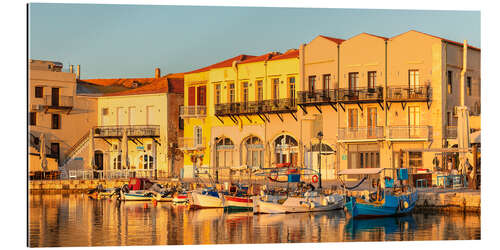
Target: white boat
{"x": 207, "y": 199}
{"x": 265, "y": 203}
{"x": 310, "y": 202}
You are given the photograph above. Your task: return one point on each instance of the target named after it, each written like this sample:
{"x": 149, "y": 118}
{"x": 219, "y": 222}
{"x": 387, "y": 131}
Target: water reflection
{"x": 75, "y": 220}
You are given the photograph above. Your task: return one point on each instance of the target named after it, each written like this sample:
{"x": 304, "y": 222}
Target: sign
{"x": 140, "y": 147}
{"x": 78, "y": 158}
{"x": 344, "y": 157}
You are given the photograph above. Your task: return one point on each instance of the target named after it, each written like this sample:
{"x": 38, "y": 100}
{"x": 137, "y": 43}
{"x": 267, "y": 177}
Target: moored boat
{"x": 207, "y": 198}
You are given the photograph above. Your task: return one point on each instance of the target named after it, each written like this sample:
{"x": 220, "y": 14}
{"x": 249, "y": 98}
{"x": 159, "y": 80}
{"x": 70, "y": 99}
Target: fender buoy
{"x": 315, "y": 179}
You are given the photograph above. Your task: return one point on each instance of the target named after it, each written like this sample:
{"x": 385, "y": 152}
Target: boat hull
{"x": 136, "y": 195}
{"x": 392, "y": 206}
{"x": 206, "y": 201}
{"x": 237, "y": 203}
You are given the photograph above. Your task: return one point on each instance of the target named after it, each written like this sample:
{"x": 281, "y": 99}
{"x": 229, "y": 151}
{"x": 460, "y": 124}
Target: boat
{"x": 101, "y": 193}
{"x": 139, "y": 189}
{"x": 238, "y": 198}
{"x": 387, "y": 199}
{"x": 207, "y": 198}
{"x": 308, "y": 202}
{"x": 180, "y": 199}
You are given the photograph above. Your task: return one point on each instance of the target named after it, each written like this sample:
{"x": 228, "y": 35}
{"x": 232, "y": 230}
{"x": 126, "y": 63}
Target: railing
{"x": 63, "y": 102}
{"x": 131, "y": 130}
{"x": 254, "y": 107}
{"x": 110, "y": 174}
{"x": 451, "y": 132}
{"x": 409, "y": 132}
{"x": 190, "y": 143}
{"x": 193, "y": 111}
{"x": 404, "y": 93}
{"x": 361, "y": 134}
{"x": 78, "y": 144}
{"x": 317, "y": 96}
{"x": 360, "y": 94}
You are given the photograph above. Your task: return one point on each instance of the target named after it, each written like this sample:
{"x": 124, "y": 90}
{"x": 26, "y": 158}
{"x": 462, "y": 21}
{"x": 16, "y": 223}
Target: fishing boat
{"x": 100, "y": 193}
{"x": 238, "y": 198}
{"x": 180, "y": 199}
{"x": 309, "y": 202}
{"x": 387, "y": 199}
{"x": 140, "y": 189}
{"x": 207, "y": 198}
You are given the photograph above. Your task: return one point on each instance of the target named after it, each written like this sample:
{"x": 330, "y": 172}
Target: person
{"x": 435, "y": 161}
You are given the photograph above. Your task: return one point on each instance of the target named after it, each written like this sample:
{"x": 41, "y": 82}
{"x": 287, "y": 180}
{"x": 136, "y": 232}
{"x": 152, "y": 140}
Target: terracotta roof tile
{"x": 291, "y": 53}
{"x": 222, "y": 64}
{"x": 264, "y": 57}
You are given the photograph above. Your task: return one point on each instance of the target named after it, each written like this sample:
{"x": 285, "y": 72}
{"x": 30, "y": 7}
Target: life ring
{"x": 315, "y": 179}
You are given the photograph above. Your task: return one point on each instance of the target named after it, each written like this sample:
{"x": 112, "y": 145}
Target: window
{"x": 276, "y": 88}
{"x": 353, "y": 80}
{"x": 38, "y": 92}
{"x": 231, "y": 93}
{"x": 117, "y": 162}
{"x": 244, "y": 92}
{"x": 450, "y": 82}
{"x": 291, "y": 88}
{"x": 353, "y": 118}
{"x": 54, "y": 149}
{"x": 56, "y": 121}
{"x": 105, "y": 111}
{"x": 448, "y": 119}
{"x": 312, "y": 83}
{"x": 326, "y": 82}
{"x": 260, "y": 92}
{"x": 413, "y": 78}
{"x": 181, "y": 123}
{"x": 202, "y": 96}
{"x": 255, "y": 152}
{"x": 469, "y": 86}
{"x": 147, "y": 162}
{"x": 198, "y": 136}
{"x": 414, "y": 121}
{"x": 32, "y": 119}
{"x": 217, "y": 94}
{"x": 415, "y": 159}
{"x": 372, "y": 79}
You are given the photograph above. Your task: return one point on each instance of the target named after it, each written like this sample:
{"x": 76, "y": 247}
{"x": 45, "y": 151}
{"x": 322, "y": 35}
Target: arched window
{"x": 286, "y": 150}
{"x": 224, "y": 152}
{"x": 254, "y": 152}
{"x": 325, "y": 149}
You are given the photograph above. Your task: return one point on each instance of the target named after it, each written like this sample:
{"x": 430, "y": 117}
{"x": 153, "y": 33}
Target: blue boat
{"x": 387, "y": 200}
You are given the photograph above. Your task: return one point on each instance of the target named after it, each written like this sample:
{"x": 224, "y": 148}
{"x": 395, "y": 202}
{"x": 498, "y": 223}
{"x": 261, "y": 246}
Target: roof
{"x": 361, "y": 171}
{"x": 173, "y": 83}
{"x": 264, "y": 57}
{"x": 84, "y": 88}
{"x": 444, "y": 39}
{"x": 291, "y": 53}
{"x": 222, "y": 64}
{"x": 335, "y": 40}
{"x": 382, "y": 37}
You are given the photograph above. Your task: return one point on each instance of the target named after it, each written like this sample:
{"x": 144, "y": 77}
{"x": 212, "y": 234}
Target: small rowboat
{"x": 232, "y": 202}
{"x": 207, "y": 199}
{"x": 180, "y": 199}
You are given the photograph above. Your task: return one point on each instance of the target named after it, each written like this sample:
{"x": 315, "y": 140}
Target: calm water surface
{"x": 75, "y": 220}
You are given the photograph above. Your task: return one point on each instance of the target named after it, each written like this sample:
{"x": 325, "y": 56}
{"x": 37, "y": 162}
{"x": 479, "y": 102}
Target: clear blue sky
{"x": 111, "y": 41}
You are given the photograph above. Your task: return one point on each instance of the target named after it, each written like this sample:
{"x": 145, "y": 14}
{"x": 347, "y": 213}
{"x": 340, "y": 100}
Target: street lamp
{"x": 320, "y": 137}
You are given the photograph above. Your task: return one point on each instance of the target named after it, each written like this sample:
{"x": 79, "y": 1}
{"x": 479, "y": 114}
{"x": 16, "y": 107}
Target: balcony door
{"x": 191, "y": 96}
{"x": 353, "y": 80}
{"x": 371, "y": 122}
{"x": 202, "y": 96}
{"x": 244, "y": 93}
{"x": 121, "y": 116}
{"x": 414, "y": 121}
{"x": 413, "y": 78}
{"x": 150, "y": 115}
{"x": 55, "y": 97}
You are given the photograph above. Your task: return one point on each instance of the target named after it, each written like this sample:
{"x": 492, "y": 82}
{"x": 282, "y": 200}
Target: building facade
{"x": 368, "y": 99}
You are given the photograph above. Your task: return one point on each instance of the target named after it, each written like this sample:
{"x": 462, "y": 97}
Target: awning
{"x": 475, "y": 137}
{"x": 361, "y": 171}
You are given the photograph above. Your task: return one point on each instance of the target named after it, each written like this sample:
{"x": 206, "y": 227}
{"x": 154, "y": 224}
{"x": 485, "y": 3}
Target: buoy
{"x": 155, "y": 202}
{"x": 145, "y": 205}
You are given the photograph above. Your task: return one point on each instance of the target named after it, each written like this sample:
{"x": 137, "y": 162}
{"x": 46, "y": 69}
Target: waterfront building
{"x": 371, "y": 97}
{"x": 135, "y": 132}
{"x": 57, "y": 115}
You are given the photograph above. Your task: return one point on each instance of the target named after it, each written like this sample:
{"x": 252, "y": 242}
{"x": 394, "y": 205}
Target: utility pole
{"x": 320, "y": 137}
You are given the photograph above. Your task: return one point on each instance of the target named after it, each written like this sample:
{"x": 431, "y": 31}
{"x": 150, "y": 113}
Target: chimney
{"x": 157, "y": 73}
{"x": 78, "y": 72}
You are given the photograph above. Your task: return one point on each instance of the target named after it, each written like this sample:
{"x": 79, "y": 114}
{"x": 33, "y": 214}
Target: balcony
{"x": 256, "y": 107}
{"x": 409, "y": 133}
{"x": 360, "y": 134}
{"x": 131, "y": 130}
{"x": 192, "y": 144}
{"x": 61, "y": 104}
{"x": 193, "y": 111}
{"x": 325, "y": 96}
{"x": 408, "y": 94}
{"x": 360, "y": 95}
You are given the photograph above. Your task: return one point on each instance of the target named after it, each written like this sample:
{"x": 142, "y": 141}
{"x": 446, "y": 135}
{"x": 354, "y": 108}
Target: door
{"x": 202, "y": 96}
{"x": 191, "y": 96}
{"x": 150, "y": 115}
{"x": 132, "y": 116}
{"x": 122, "y": 118}
{"x": 54, "y": 150}
{"x": 414, "y": 121}
{"x": 372, "y": 122}
{"x": 55, "y": 96}
{"x": 99, "y": 160}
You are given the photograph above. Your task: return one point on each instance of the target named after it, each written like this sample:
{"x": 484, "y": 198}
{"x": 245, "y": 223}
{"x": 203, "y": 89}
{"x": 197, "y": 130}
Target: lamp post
{"x": 320, "y": 137}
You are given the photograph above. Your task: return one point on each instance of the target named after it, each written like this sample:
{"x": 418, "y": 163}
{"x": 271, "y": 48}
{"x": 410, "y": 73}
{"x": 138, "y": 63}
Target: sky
{"x": 125, "y": 41}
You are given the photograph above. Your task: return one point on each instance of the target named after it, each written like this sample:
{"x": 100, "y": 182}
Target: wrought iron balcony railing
{"x": 407, "y": 93}
{"x": 55, "y": 104}
{"x": 317, "y": 96}
{"x": 361, "y": 94}
{"x": 409, "y": 133}
{"x": 361, "y": 134}
{"x": 193, "y": 111}
{"x": 131, "y": 130}
{"x": 191, "y": 143}
{"x": 256, "y": 107}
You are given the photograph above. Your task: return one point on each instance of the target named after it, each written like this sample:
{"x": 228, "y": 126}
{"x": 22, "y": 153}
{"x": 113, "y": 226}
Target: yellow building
{"x": 228, "y": 110}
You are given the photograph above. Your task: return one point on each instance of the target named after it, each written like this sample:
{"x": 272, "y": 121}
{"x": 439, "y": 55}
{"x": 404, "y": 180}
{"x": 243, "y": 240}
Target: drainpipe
{"x": 338, "y": 109}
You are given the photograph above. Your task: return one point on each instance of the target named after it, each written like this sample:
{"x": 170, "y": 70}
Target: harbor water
{"x": 73, "y": 219}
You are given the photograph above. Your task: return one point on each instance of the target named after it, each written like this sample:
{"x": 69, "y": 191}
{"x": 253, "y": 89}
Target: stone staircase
{"x": 72, "y": 153}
